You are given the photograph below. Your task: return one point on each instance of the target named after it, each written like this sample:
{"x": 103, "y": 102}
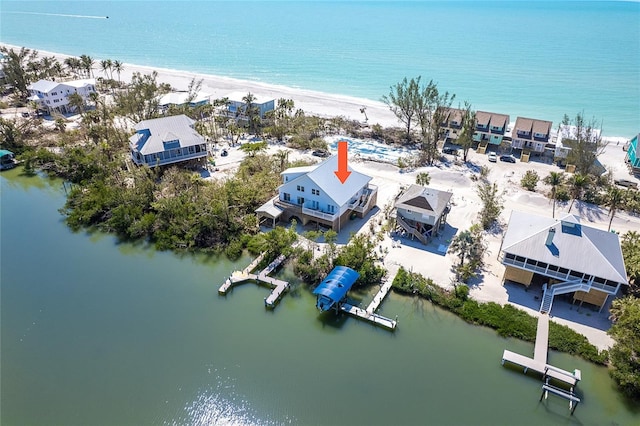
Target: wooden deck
{"x": 278, "y": 287}
{"x": 368, "y": 316}
{"x": 379, "y": 297}
{"x": 539, "y": 361}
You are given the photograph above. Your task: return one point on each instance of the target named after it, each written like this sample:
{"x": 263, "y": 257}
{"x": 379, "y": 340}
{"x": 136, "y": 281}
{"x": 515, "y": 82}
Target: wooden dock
{"x": 369, "y": 316}
{"x": 369, "y": 313}
{"x": 278, "y": 287}
{"x": 539, "y": 364}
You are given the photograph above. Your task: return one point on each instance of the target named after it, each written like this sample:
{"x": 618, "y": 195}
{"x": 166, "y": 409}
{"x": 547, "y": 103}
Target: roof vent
{"x": 550, "y": 235}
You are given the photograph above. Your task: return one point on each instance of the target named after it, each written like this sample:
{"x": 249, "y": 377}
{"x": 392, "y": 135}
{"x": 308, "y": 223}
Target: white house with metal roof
{"x": 421, "y": 211}
{"x": 315, "y": 194}
{"x": 166, "y": 140}
{"x": 52, "y": 96}
{"x": 568, "y": 256}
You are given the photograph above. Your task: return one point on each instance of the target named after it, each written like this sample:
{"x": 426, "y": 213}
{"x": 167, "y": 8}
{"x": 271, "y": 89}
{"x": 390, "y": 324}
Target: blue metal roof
{"x": 336, "y": 285}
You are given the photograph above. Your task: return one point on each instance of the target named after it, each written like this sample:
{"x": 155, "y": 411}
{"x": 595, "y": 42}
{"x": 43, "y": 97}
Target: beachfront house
{"x": 564, "y": 256}
{"x": 632, "y": 158}
{"x": 315, "y": 194}
{"x": 182, "y": 99}
{"x": 421, "y": 212}
{"x": 565, "y": 139}
{"x": 451, "y": 124}
{"x": 237, "y": 107}
{"x": 52, "y": 96}
{"x": 490, "y": 129}
{"x": 167, "y": 140}
{"x": 531, "y": 136}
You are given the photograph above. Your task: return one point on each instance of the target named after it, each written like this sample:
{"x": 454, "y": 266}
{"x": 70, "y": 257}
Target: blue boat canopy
{"x": 4, "y": 152}
{"x": 334, "y": 287}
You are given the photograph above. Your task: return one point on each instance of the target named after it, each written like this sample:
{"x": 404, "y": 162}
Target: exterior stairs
{"x": 411, "y": 230}
{"x": 567, "y": 287}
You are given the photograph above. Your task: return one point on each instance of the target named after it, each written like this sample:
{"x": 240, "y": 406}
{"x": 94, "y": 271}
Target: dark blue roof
{"x": 337, "y": 283}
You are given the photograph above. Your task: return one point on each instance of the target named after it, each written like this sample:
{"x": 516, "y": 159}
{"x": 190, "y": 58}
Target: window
{"x": 510, "y": 256}
{"x": 300, "y": 188}
{"x": 314, "y": 205}
{"x": 331, "y": 208}
{"x": 300, "y": 201}
{"x": 520, "y": 259}
{"x": 315, "y": 191}
{"x": 286, "y": 196}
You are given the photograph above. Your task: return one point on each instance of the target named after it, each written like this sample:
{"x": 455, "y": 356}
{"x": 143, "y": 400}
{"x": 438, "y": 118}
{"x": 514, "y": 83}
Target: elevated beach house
{"x": 567, "y": 257}
{"x": 451, "y": 124}
{"x": 52, "y": 96}
{"x": 422, "y": 211}
{"x": 633, "y": 155}
{"x": 166, "y": 140}
{"x": 530, "y": 135}
{"x": 490, "y": 129}
{"x": 237, "y": 107}
{"x": 179, "y": 99}
{"x": 315, "y": 194}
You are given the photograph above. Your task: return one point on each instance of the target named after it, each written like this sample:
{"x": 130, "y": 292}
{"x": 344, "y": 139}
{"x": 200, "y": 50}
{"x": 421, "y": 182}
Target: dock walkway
{"x": 369, "y": 313}
{"x": 278, "y": 286}
{"x": 539, "y": 364}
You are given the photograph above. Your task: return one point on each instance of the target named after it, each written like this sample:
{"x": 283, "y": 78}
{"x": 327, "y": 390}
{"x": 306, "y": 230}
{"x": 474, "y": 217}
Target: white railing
{"x": 318, "y": 214}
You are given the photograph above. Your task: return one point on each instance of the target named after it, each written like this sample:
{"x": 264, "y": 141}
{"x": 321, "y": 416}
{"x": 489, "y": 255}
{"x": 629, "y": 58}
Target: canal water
{"x": 96, "y": 332}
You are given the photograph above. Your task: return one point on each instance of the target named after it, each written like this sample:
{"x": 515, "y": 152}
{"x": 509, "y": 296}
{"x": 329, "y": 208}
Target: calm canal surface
{"x": 100, "y": 333}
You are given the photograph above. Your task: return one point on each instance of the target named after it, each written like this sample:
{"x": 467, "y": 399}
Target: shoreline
{"x": 316, "y": 102}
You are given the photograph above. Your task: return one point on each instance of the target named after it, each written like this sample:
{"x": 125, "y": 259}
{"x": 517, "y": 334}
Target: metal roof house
{"x": 422, "y": 211}
{"x": 571, "y": 257}
{"x": 166, "y": 140}
{"x": 177, "y": 99}
{"x": 332, "y": 291}
{"x": 52, "y": 96}
{"x": 315, "y": 194}
{"x": 237, "y": 106}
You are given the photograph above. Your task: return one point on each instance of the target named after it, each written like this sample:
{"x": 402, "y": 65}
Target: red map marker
{"x": 342, "y": 173}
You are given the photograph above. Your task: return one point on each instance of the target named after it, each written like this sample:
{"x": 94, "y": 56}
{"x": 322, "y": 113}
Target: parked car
{"x": 492, "y": 157}
{"x": 508, "y": 158}
{"x": 320, "y": 153}
{"x": 626, "y": 183}
{"x": 450, "y": 150}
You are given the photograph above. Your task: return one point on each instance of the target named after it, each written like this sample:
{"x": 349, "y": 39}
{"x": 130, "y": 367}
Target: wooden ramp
{"x": 377, "y": 299}
{"x": 542, "y": 340}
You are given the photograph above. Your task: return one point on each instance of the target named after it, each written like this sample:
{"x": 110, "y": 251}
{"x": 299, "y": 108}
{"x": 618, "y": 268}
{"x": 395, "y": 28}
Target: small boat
{"x": 7, "y": 160}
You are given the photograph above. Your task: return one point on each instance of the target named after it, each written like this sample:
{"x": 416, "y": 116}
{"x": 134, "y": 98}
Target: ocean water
{"x": 537, "y": 59}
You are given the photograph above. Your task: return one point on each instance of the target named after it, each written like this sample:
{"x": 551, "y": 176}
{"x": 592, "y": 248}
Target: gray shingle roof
{"x": 166, "y": 129}
{"x": 575, "y": 246}
{"x": 425, "y": 200}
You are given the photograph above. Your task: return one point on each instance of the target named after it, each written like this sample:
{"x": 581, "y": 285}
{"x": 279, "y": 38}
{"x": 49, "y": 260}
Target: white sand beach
{"x": 449, "y": 175}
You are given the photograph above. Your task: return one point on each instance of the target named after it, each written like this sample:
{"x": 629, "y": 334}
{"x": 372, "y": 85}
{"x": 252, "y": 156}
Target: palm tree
{"x": 87, "y": 63}
{"x": 554, "y": 179}
{"x": 614, "y": 202}
{"x": 118, "y": 68}
{"x": 578, "y": 182}
{"x": 107, "y": 65}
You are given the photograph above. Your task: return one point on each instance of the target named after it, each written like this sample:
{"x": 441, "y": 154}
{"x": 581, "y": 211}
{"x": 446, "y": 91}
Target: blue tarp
{"x": 335, "y": 287}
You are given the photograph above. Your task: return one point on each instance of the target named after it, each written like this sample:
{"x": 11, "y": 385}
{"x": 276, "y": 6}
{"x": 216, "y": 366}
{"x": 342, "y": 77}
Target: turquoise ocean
{"x": 536, "y": 59}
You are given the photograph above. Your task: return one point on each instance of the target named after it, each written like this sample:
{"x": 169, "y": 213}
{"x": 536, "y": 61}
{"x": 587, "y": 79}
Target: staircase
{"x": 411, "y": 230}
{"x": 567, "y": 287}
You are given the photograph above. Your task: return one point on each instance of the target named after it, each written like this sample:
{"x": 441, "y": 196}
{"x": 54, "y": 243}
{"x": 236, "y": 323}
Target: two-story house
{"x": 166, "y": 140}
{"x": 490, "y": 127}
{"x": 52, "y": 96}
{"x": 569, "y": 257}
{"x": 237, "y": 107}
{"x": 315, "y": 194}
{"x": 451, "y": 124}
{"x": 422, "y": 211}
{"x": 178, "y": 99}
{"x": 531, "y": 134}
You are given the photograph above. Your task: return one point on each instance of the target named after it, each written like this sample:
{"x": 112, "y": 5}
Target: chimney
{"x": 550, "y": 235}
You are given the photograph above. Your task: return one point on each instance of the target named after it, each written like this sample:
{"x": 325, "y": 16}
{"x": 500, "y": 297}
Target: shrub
{"x": 530, "y": 180}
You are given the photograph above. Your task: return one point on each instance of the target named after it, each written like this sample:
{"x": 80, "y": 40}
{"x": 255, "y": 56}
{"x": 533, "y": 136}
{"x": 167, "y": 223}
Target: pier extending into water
{"x": 539, "y": 364}
{"x": 278, "y": 287}
{"x": 369, "y": 314}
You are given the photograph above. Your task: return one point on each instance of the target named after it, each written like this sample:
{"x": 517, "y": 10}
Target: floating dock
{"x": 539, "y": 364}
{"x": 279, "y": 287}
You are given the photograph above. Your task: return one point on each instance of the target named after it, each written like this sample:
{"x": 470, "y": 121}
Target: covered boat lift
{"x": 332, "y": 291}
